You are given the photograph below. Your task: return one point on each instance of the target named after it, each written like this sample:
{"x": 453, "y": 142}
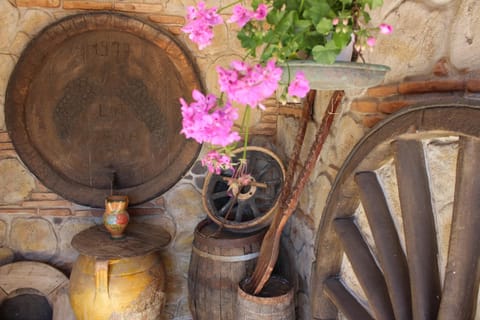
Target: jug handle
{"x": 101, "y": 276}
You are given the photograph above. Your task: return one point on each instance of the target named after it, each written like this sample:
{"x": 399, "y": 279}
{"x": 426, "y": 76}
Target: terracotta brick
{"x": 269, "y": 118}
{"x": 87, "y": 5}
{"x": 4, "y": 137}
{"x": 47, "y": 204}
{"x": 40, "y": 187}
{"x": 270, "y": 110}
{"x": 18, "y": 211}
{"x": 371, "y": 120}
{"x": 292, "y": 112}
{"x": 473, "y": 85}
{"x": 137, "y": 7}
{"x": 264, "y": 132}
{"x": 38, "y": 3}
{"x": 88, "y": 213}
{"x": 431, "y": 86}
{"x": 166, "y": 19}
{"x": 44, "y": 196}
{"x": 55, "y": 212}
{"x": 392, "y": 106}
{"x": 6, "y": 146}
{"x": 6, "y": 154}
{"x": 383, "y": 91}
{"x": 364, "y": 105}
{"x": 175, "y": 30}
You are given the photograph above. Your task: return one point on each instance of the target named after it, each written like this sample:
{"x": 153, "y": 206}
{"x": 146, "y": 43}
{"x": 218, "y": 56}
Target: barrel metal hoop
{"x": 244, "y": 257}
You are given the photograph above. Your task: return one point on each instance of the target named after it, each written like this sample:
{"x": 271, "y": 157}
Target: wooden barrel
{"x": 219, "y": 260}
{"x": 275, "y": 301}
{"x": 116, "y": 279}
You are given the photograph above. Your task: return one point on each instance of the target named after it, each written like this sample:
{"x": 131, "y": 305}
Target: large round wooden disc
{"x": 93, "y": 107}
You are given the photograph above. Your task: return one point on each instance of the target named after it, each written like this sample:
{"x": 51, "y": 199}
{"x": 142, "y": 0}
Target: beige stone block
{"x": 3, "y": 232}
{"x": 6, "y": 256}
{"x": 7, "y": 63}
{"x": 33, "y": 238}
{"x": 420, "y": 37}
{"x": 186, "y": 204}
{"x": 319, "y": 194}
{"x": 67, "y": 230}
{"x": 19, "y": 43}
{"x": 34, "y": 21}
{"x": 17, "y": 182}
{"x": 463, "y": 41}
{"x": 8, "y": 23}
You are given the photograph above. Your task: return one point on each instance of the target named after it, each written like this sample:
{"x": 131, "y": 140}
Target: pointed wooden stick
{"x": 271, "y": 242}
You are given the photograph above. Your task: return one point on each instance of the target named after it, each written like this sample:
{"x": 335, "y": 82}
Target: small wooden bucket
{"x": 275, "y": 301}
{"x": 219, "y": 260}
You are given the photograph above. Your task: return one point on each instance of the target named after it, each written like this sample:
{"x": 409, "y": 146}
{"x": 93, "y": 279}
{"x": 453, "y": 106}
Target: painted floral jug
{"x": 116, "y": 217}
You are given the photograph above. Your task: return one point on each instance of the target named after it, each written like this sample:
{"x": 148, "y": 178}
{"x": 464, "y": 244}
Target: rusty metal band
{"x": 215, "y": 257}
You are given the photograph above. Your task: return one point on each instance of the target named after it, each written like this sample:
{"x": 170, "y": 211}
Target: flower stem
{"x": 245, "y": 128}
{"x": 228, "y": 6}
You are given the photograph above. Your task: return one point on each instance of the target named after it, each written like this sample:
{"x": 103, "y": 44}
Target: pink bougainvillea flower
{"x": 247, "y": 84}
{"x": 205, "y": 121}
{"x": 385, "y": 28}
{"x": 200, "y": 23}
{"x": 299, "y": 87}
{"x": 241, "y": 15}
{"x": 261, "y": 12}
{"x": 371, "y": 41}
{"x": 216, "y": 162}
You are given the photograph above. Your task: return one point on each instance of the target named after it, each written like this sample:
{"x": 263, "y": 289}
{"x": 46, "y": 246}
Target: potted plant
{"x": 274, "y": 34}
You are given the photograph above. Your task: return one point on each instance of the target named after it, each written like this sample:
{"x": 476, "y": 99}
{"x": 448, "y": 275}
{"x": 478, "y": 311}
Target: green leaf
{"x": 274, "y": 16}
{"x": 341, "y": 39}
{"x": 324, "y": 26}
{"x": 302, "y": 25}
{"x": 325, "y": 54}
{"x": 316, "y": 11}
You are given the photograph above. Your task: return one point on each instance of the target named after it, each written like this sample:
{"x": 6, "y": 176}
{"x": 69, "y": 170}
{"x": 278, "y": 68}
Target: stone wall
{"x": 432, "y": 55}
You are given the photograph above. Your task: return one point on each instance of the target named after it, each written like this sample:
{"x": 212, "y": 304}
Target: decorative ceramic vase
{"x": 115, "y": 217}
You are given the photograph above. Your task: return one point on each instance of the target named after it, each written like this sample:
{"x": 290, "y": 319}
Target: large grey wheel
{"x": 399, "y": 237}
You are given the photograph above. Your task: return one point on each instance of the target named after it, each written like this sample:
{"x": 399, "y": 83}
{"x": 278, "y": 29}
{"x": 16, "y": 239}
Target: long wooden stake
{"x": 271, "y": 242}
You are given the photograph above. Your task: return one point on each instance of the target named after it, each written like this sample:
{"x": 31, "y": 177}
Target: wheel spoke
{"x": 390, "y": 253}
{"x": 461, "y": 276}
{"x": 419, "y": 226}
{"x": 344, "y": 301}
{"x": 254, "y": 208}
{"x": 227, "y": 207}
{"x": 219, "y": 195}
{"x": 368, "y": 274}
{"x": 240, "y": 211}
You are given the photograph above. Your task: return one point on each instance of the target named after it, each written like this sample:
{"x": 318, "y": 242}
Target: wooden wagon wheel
{"x": 400, "y": 235}
{"x": 255, "y": 204}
